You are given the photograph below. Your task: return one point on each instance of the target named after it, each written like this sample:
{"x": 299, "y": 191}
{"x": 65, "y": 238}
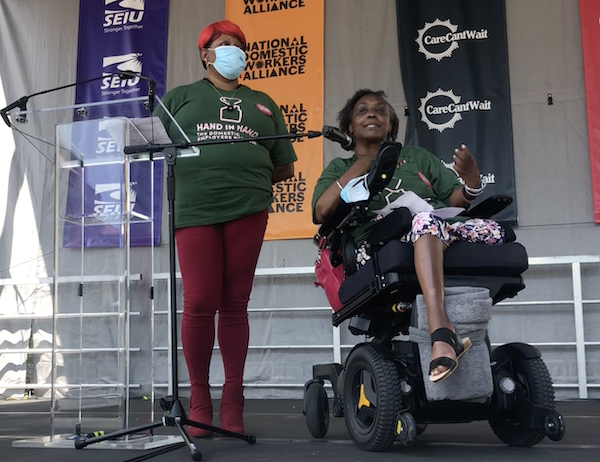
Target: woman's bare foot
{"x": 438, "y": 350}
{"x": 450, "y": 348}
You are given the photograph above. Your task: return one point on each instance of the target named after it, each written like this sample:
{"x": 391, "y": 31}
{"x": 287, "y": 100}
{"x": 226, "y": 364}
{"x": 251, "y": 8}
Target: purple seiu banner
{"x": 116, "y": 36}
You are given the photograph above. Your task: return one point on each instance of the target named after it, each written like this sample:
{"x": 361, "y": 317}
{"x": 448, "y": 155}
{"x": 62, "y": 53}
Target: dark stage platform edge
{"x": 282, "y": 435}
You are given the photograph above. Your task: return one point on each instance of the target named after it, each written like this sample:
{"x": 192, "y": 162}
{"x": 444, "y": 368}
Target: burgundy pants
{"x": 217, "y": 265}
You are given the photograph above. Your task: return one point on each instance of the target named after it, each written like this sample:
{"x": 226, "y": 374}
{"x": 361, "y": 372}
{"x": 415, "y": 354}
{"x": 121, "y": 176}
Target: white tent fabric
{"x": 38, "y": 49}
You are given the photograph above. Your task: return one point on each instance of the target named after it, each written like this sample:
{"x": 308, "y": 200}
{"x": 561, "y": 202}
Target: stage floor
{"x": 282, "y": 436}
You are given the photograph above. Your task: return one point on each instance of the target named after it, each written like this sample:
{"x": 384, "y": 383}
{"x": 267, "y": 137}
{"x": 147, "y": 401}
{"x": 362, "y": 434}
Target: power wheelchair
{"x": 380, "y": 389}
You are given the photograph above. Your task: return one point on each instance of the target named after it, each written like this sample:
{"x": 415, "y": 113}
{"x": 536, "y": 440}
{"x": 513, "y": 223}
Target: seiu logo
{"x": 115, "y": 64}
{"x": 109, "y": 131}
{"x": 132, "y": 11}
{"x": 108, "y": 199}
{"x": 107, "y": 146}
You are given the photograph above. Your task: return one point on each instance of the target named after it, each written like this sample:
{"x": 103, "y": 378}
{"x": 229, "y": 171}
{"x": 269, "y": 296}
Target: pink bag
{"x": 329, "y": 277}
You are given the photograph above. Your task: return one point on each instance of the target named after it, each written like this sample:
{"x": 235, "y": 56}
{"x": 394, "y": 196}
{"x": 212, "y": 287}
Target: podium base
{"x": 131, "y": 442}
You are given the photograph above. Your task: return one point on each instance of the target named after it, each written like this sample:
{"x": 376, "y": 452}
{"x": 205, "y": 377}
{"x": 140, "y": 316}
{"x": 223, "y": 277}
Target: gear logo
{"x": 428, "y": 110}
{"x": 425, "y": 39}
{"x": 438, "y": 39}
{"x": 441, "y": 109}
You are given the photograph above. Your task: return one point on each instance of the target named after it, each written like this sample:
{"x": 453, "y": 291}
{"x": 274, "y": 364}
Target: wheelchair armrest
{"x": 489, "y": 207}
{"x": 395, "y": 225}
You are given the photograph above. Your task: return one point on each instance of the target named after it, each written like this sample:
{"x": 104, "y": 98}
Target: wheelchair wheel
{"x": 532, "y": 376}
{"x": 317, "y": 410}
{"x": 371, "y": 399}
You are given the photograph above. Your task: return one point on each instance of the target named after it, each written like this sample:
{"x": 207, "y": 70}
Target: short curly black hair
{"x": 345, "y": 115}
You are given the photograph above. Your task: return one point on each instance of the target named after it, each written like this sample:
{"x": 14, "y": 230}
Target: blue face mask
{"x": 356, "y": 190}
{"x": 230, "y": 61}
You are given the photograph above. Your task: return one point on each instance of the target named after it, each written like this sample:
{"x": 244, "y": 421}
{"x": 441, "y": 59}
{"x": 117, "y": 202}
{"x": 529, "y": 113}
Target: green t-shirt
{"x": 227, "y": 181}
{"x": 418, "y": 170}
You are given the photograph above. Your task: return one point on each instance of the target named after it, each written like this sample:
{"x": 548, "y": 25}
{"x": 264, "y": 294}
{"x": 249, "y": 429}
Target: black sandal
{"x": 460, "y": 346}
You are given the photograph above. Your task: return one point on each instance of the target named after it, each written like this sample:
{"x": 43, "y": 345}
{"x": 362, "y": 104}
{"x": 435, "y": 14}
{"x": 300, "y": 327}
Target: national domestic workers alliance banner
{"x": 286, "y": 61}
{"x": 116, "y": 36}
{"x": 454, "y": 63}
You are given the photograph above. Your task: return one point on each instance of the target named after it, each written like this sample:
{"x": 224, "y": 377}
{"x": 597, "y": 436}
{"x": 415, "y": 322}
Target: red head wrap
{"x": 214, "y": 30}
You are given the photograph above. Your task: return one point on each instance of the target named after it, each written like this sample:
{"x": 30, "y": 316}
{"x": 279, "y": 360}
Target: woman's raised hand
{"x": 466, "y": 166}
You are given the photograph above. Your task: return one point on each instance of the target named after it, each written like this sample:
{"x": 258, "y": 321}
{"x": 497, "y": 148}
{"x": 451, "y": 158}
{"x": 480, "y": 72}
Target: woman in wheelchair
{"x": 371, "y": 120}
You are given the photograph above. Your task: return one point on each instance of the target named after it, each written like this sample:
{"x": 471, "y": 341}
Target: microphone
{"x": 22, "y": 105}
{"x": 334, "y": 134}
{"x": 22, "y": 118}
{"x": 126, "y": 75}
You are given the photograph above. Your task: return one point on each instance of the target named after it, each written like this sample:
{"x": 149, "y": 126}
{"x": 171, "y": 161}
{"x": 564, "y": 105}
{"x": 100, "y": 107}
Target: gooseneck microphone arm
{"x": 152, "y": 148}
{"x": 124, "y": 75}
{"x": 334, "y": 134}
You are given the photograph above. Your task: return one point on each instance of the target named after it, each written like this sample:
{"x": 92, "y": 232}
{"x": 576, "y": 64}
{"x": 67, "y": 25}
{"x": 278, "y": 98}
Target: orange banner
{"x": 285, "y": 60}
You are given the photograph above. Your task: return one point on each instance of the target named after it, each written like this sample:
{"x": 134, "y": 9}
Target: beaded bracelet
{"x": 468, "y": 196}
{"x": 475, "y": 191}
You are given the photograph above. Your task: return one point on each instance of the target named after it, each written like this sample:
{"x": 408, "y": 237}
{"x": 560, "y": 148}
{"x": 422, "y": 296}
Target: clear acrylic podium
{"x": 106, "y": 222}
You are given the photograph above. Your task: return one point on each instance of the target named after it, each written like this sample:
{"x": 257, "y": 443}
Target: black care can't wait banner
{"x": 454, "y": 63}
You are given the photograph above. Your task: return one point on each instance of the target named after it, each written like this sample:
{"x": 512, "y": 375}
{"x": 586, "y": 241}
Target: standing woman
{"x": 221, "y": 211}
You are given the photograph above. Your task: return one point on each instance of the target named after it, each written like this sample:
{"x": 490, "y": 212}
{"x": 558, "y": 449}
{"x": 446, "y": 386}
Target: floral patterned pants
{"x": 477, "y": 230}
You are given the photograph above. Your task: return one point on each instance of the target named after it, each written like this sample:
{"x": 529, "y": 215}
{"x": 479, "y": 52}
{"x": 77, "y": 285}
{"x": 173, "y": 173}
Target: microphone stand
{"x": 175, "y": 415}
